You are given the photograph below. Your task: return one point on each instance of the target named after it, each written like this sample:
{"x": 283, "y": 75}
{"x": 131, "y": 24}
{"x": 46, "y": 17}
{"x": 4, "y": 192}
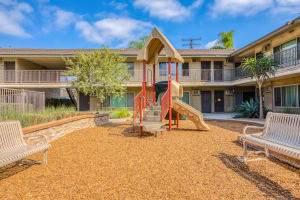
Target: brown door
{"x": 206, "y": 101}
{"x": 9, "y": 71}
{"x": 84, "y": 102}
{"x": 219, "y": 101}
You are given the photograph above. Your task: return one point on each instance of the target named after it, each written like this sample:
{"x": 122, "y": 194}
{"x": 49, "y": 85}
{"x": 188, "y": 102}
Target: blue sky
{"x": 113, "y": 23}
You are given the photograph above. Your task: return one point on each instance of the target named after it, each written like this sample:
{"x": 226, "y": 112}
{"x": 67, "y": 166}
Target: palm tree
{"x": 261, "y": 70}
{"x": 226, "y": 40}
{"x": 138, "y": 44}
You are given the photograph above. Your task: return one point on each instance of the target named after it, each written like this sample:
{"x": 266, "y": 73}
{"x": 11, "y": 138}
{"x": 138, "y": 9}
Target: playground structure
{"x": 150, "y": 110}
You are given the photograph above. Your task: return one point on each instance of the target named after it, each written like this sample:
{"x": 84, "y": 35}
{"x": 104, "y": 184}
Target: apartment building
{"x": 212, "y": 79}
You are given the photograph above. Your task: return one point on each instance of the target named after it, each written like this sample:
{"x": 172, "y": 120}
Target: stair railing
{"x": 165, "y": 104}
{"x": 136, "y": 105}
{"x": 139, "y": 106}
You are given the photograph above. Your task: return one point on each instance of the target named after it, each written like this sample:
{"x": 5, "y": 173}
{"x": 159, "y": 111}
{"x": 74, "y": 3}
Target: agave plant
{"x": 250, "y": 109}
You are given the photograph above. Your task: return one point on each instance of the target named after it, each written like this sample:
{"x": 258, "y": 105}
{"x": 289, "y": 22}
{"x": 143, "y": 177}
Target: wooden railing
{"x": 12, "y": 100}
{"x": 165, "y": 103}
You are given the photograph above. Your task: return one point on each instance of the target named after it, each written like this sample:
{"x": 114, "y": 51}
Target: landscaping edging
{"x": 59, "y": 128}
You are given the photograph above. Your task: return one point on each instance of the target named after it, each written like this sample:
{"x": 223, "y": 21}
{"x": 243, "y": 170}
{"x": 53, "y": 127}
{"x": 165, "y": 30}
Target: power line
{"x": 191, "y": 43}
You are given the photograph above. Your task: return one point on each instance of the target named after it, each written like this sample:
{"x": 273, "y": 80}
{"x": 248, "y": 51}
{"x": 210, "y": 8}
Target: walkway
{"x": 229, "y": 117}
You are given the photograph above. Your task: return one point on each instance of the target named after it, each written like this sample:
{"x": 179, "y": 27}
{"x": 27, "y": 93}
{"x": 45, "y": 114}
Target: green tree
{"x": 99, "y": 73}
{"x": 138, "y": 44}
{"x": 261, "y": 70}
{"x": 225, "y": 41}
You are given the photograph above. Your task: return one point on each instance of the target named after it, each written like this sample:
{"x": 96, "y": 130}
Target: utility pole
{"x": 191, "y": 43}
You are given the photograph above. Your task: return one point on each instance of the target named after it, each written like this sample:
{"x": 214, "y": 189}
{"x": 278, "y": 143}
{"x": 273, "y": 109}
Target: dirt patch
{"x": 111, "y": 162}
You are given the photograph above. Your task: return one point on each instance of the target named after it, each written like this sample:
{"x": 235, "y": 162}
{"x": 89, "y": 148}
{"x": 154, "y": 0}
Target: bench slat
{"x": 13, "y": 146}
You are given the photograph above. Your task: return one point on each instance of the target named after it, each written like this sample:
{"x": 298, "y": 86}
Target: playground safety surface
{"x": 111, "y": 162}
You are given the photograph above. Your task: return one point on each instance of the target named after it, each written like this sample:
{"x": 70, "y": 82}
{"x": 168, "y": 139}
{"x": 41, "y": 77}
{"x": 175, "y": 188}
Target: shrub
{"x": 120, "y": 113}
{"x": 33, "y": 118}
{"x": 249, "y": 109}
{"x": 52, "y": 102}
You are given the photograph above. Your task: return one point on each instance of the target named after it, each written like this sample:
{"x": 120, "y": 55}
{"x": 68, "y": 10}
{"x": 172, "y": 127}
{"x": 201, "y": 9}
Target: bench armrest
{"x": 34, "y": 136}
{"x": 254, "y": 127}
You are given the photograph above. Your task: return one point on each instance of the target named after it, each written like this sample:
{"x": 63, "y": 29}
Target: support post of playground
{"x": 170, "y": 95}
{"x": 177, "y": 79}
{"x": 153, "y": 87}
{"x": 144, "y": 81}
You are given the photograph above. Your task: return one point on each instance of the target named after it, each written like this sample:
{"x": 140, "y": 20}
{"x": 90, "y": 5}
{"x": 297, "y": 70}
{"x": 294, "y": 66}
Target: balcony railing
{"x": 58, "y": 76}
{"x": 287, "y": 58}
{"x": 35, "y": 76}
{"x": 203, "y": 75}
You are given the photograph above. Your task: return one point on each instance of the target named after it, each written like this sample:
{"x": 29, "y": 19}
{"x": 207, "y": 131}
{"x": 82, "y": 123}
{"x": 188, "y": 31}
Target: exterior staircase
{"x": 152, "y": 121}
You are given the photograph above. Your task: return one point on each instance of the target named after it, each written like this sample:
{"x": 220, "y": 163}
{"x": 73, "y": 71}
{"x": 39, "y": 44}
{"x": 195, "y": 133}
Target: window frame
{"x": 129, "y": 71}
{"x": 131, "y": 92}
{"x": 297, "y": 96}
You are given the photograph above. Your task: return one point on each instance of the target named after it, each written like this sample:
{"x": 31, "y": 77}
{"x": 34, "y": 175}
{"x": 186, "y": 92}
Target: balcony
{"x": 287, "y": 58}
{"x": 33, "y": 77}
{"x": 58, "y": 78}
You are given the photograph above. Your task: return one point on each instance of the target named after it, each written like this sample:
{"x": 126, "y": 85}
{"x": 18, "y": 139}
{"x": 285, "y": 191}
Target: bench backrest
{"x": 11, "y": 135}
{"x": 283, "y": 128}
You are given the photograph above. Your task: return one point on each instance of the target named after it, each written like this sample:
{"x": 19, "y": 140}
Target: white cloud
{"x": 118, "y": 5}
{"x": 240, "y": 7}
{"x": 13, "y": 14}
{"x": 287, "y": 7}
{"x": 167, "y": 9}
{"x": 288, "y": 2}
{"x": 212, "y": 44}
{"x": 110, "y": 30}
{"x": 64, "y": 18}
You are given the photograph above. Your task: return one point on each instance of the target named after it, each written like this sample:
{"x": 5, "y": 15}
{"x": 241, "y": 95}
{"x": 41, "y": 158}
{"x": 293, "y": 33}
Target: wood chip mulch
{"x": 110, "y": 162}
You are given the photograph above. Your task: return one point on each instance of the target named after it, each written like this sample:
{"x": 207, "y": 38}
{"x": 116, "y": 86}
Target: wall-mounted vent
{"x": 196, "y": 92}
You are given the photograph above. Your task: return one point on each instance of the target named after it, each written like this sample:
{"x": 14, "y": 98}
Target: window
{"x": 129, "y": 99}
{"x": 277, "y": 96}
{"x": 287, "y": 96}
{"x": 163, "y": 71}
{"x": 185, "y": 69}
{"x": 130, "y": 68}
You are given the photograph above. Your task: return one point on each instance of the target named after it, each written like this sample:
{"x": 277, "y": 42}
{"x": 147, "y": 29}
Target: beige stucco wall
{"x": 195, "y": 101}
{"x": 1, "y": 72}
{"x": 288, "y": 35}
{"x": 268, "y": 99}
{"x": 269, "y": 96}
{"x": 27, "y": 65}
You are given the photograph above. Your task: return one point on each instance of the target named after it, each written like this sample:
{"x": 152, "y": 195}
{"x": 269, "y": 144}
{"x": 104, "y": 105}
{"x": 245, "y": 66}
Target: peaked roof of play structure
{"x": 155, "y": 44}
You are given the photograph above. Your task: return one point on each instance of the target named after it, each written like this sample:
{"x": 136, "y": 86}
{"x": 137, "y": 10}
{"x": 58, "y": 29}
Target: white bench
{"x": 281, "y": 134}
{"x": 13, "y": 147}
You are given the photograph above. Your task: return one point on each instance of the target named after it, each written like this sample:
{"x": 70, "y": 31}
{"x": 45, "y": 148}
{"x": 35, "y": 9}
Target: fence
{"x": 13, "y": 100}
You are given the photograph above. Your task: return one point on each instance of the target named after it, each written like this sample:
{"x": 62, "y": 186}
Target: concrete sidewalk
{"x": 229, "y": 117}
